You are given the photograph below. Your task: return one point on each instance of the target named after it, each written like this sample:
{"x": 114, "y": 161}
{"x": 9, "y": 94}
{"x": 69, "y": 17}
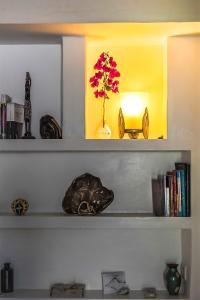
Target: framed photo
{"x": 113, "y": 282}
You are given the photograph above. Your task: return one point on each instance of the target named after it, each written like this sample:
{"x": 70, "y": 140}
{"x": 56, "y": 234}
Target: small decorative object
{"x": 149, "y": 293}
{"x": 114, "y": 283}
{"x": 27, "y": 108}
{"x": 87, "y": 196}
{"x": 19, "y": 207}
{"x": 172, "y": 279}
{"x": 49, "y": 128}
{"x": 104, "y": 81}
{"x": 7, "y": 279}
{"x": 75, "y": 290}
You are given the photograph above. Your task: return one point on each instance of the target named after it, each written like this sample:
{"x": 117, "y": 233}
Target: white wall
{"x": 44, "y": 64}
{"x": 44, "y": 257}
{"x": 183, "y": 120}
{"x": 43, "y": 178}
{"x": 56, "y": 11}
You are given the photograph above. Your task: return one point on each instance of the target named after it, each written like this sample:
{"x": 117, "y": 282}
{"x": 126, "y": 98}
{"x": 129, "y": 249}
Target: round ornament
{"x": 19, "y": 207}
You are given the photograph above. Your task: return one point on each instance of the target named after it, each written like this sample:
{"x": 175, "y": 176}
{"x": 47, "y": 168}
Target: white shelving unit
{"x": 178, "y": 231}
{"x": 102, "y": 221}
{"x": 89, "y": 295}
{"x": 82, "y": 145}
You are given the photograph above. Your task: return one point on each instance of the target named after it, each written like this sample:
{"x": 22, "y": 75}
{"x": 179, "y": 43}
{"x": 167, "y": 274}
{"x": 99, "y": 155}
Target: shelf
{"x": 110, "y": 221}
{"x": 65, "y": 145}
{"x": 93, "y": 294}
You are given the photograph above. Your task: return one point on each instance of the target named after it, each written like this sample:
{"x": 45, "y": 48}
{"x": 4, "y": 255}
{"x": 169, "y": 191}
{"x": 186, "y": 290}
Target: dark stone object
{"x": 49, "y": 128}
{"x": 172, "y": 279}
{"x": 87, "y": 196}
{"x": 19, "y": 207}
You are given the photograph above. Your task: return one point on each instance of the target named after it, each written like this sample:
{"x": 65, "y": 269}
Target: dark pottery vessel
{"x": 7, "y": 279}
{"x": 172, "y": 279}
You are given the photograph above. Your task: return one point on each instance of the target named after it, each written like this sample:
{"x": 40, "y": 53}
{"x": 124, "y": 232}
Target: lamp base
{"x": 133, "y": 133}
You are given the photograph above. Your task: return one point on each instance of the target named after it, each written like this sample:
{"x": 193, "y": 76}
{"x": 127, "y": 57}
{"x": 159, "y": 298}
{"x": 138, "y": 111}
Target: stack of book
{"x": 11, "y": 118}
{"x": 171, "y": 192}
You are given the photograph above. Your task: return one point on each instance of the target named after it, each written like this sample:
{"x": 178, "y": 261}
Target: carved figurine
{"x": 87, "y": 196}
{"x": 27, "y": 108}
{"x": 19, "y": 207}
{"x": 49, "y": 128}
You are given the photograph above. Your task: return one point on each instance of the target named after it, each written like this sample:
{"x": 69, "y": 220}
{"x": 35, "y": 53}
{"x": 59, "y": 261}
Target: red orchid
{"x": 104, "y": 79}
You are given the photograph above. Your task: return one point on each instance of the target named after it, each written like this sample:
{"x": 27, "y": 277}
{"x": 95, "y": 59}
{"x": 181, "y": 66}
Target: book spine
{"x": 188, "y": 191}
{"x": 186, "y": 168}
{"x": 157, "y": 198}
{"x": 179, "y": 204}
{"x": 175, "y": 194}
{"x": 171, "y": 195}
{"x": 167, "y": 200}
{"x": 183, "y": 193}
{"x": 3, "y": 120}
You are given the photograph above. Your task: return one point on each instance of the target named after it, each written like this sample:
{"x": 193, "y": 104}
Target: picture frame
{"x": 113, "y": 282}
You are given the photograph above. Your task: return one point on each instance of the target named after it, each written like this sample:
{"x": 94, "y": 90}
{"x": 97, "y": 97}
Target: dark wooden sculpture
{"x": 27, "y": 108}
{"x": 49, "y": 128}
{"x": 87, "y": 196}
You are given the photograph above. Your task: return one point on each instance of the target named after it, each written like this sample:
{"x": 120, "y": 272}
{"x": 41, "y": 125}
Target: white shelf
{"x": 64, "y": 145}
{"x": 108, "y": 221}
{"x": 93, "y": 294}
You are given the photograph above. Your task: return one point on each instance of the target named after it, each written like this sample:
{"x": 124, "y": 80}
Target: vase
{"x": 172, "y": 279}
{"x": 7, "y": 279}
{"x": 103, "y": 132}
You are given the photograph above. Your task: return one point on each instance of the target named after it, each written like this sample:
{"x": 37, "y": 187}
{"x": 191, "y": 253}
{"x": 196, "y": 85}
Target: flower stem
{"x": 104, "y": 101}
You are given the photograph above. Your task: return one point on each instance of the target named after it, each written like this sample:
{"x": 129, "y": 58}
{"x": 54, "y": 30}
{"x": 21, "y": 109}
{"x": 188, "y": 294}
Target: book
{"x": 15, "y": 112}
{"x": 167, "y": 195}
{"x": 171, "y": 193}
{"x": 14, "y": 120}
{"x": 178, "y": 191}
{"x": 185, "y": 167}
{"x": 175, "y": 193}
{"x": 157, "y": 196}
{"x": 5, "y": 99}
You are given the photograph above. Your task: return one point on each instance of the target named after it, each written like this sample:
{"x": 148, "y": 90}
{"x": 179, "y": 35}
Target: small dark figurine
{"x": 49, "y": 128}
{"x": 20, "y": 207}
{"x": 87, "y": 196}
{"x": 27, "y": 108}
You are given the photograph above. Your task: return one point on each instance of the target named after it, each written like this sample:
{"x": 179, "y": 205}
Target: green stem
{"x": 104, "y": 100}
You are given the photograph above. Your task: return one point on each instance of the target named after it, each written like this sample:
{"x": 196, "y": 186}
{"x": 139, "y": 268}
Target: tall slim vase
{"x": 103, "y": 130}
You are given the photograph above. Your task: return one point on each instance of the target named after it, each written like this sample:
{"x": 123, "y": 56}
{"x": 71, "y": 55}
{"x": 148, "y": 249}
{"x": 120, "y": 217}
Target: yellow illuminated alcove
{"x": 140, "y": 51}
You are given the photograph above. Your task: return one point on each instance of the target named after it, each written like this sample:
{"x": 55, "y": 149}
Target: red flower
{"x": 105, "y": 75}
{"x": 98, "y": 66}
{"x": 102, "y": 93}
{"x": 116, "y": 82}
{"x": 114, "y": 73}
{"x": 102, "y": 57}
{"x": 95, "y": 83}
{"x": 113, "y": 63}
{"x": 92, "y": 78}
{"x": 110, "y": 82}
{"x": 106, "y": 69}
{"x": 96, "y": 93}
{"x": 115, "y": 90}
{"x": 98, "y": 75}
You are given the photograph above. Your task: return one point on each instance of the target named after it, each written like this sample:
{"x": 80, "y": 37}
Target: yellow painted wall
{"x": 142, "y": 65}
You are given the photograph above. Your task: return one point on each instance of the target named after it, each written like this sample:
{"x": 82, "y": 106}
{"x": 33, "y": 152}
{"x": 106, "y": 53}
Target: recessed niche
{"x": 140, "y": 51}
